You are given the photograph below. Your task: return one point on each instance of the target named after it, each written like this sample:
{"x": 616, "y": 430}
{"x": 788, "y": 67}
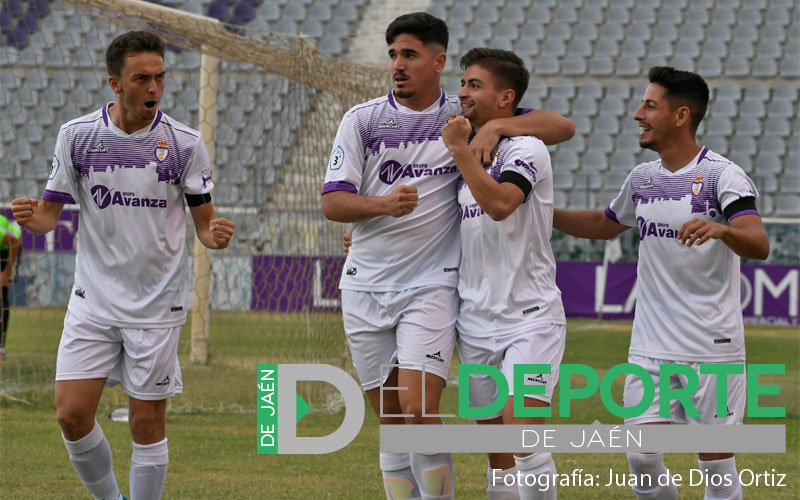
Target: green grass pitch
{"x": 212, "y": 430}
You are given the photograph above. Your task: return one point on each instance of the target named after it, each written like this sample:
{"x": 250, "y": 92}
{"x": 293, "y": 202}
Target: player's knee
{"x": 74, "y": 422}
{"x": 146, "y": 426}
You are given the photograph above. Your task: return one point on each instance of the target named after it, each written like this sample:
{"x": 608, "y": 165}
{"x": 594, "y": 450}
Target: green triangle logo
{"x": 302, "y": 408}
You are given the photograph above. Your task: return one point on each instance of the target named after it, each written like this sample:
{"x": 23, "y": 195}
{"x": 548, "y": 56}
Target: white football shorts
{"x": 413, "y": 328}
{"x": 704, "y": 399}
{"x": 145, "y": 362}
{"x": 539, "y": 344}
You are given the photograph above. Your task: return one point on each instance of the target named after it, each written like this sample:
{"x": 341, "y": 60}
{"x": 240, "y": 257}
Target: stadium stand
{"x": 588, "y": 59}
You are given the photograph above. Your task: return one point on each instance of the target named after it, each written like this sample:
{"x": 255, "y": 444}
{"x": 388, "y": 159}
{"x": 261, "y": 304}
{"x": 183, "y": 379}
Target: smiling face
{"x": 139, "y": 87}
{"x": 480, "y": 98}
{"x": 415, "y": 68}
{"x": 657, "y": 118}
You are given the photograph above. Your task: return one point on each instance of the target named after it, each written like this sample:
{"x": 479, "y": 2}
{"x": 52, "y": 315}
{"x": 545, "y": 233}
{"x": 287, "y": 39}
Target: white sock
{"x": 726, "y": 471}
{"x": 648, "y": 467}
{"x": 498, "y": 489}
{"x": 91, "y": 457}
{"x": 148, "y": 470}
{"x": 536, "y": 465}
{"x": 398, "y": 480}
{"x": 434, "y": 475}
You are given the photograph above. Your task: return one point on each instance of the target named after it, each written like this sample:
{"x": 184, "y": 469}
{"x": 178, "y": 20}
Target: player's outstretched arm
{"x": 344, "y": 206}
{"x": 213, "y": 232}
{"x": 497, "y": 199}
{"x": 746, "y": 235}
{"x": 548, "y": 126}
{"x": 36, "y": 217}
{"x": 590, "y": 224}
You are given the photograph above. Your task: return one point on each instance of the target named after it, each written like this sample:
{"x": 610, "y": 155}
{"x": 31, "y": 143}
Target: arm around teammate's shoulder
{"x": 590, "y": 224}
{"x": 345, "y": 206}
{"x": 37, "y": 217}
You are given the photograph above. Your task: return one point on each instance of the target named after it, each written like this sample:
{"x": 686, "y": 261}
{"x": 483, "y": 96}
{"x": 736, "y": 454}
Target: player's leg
{"x": 372, "y": 342}
{"x": 150, "y": 374}
{"x": 4, "y": 303}
{"x": 150, "y": 457}
{"x": 541, "y": 344}
{"x": 4, "y": 317}
{"x": 482, "y": 393}
{"x": 86, "y": 355}
{"x": 426, "y": 338}
{"x": 719, "y": 465}
{"x": 647, "y": 467}
{"x": 398, "y": 479}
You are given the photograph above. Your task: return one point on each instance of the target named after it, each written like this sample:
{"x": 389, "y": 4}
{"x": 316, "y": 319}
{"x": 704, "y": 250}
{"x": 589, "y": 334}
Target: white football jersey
{"x": 381, "y": 145}
{"x": 131, "y": 264}
{"x": 688, "y": 305}
{"x": 507, "y": 277}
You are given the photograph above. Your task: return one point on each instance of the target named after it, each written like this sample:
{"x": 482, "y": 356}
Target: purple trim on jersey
{"x": 105, "y": 114}
{"x": 173, "y": 127}
{"x": 78, "y": 123}
{"x": 58, "y": 197}
{"x": 157, "y": 119}
{"x": 744, "y": 212}
{"x": 610, "y": 214}
{"x": 650, "y": 183}
{"x": 443, "y": 99}
{"x": 702, "y": 155}
{"x": 391, "y": 99}
{"x": 339, "y": 186}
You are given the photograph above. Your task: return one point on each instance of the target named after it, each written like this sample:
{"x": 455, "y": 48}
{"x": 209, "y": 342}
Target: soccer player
{"x": 392, "y": 177}
{"x": 696, "y": 215}
{"x": 130, "y": 166}
{"x": 10, "y": 249}
{"x": 511, "y": 311}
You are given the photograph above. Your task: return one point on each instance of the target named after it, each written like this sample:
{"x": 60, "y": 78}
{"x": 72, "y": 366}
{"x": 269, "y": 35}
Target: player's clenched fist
{"x": 456, "y": 132}
{"x": 221, "y": 231}
{"x": 23, "y": 210}
{"x": 402, "y": 201}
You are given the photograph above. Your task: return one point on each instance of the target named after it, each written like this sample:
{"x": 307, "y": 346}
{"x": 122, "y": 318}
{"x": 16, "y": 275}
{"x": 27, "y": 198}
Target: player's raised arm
{"x": 497, "y": 199}
{"x": 590, "y": 224}
{"x": 213, "y": 232}
{"x": 344, "y": 206}
{"x": 548, "y": 126}
{"x": 36, "y": 217}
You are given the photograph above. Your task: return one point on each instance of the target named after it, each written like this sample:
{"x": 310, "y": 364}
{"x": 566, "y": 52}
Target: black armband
{"x": 742, "y": 206}
{"x": 518, "y": 180}
{"x": 195, "y": 200}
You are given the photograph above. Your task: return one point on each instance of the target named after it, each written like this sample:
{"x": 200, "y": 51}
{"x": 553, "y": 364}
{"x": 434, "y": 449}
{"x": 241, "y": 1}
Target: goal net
{"x": 268, "y": 106}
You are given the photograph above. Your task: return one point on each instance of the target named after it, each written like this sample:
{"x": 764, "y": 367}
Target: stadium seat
{"x": 788, "y": 205}
{"x": 771, "y": 144}
{"x": 562, "y": 178}
{"x": 607, "y": 122}
{"x": 566, "y": 161}
{"x": 749, "y": 125}
{"x": 594, "y": 161}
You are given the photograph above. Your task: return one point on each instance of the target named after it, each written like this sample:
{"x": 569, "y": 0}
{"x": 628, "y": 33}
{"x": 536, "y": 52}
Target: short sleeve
{"x": 622, "y": 209}
{"x": 734, "y": 185}
{"x": 62, "y": 184}
{"x": 346, "y": 163}
{"x": 197, "y": 174}
{"x": 528, "y": 158}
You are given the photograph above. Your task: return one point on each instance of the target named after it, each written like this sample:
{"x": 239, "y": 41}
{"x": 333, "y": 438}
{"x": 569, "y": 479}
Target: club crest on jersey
{"x": 648, "y": 184}
{"x": 54, "y": 167}
{"x": 99, "y": 148}
{"x": 390, "y": 124}
{"x": 161, "y": 151}
{"x": 697, "y": 185}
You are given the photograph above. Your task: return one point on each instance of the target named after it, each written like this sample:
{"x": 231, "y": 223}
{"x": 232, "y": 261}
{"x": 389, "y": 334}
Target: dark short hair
{"x": 132, "y": 42}
{"x": 422, "y": 25}
{"x": 683, "y": 88}
{"x": 505, "y": 66}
